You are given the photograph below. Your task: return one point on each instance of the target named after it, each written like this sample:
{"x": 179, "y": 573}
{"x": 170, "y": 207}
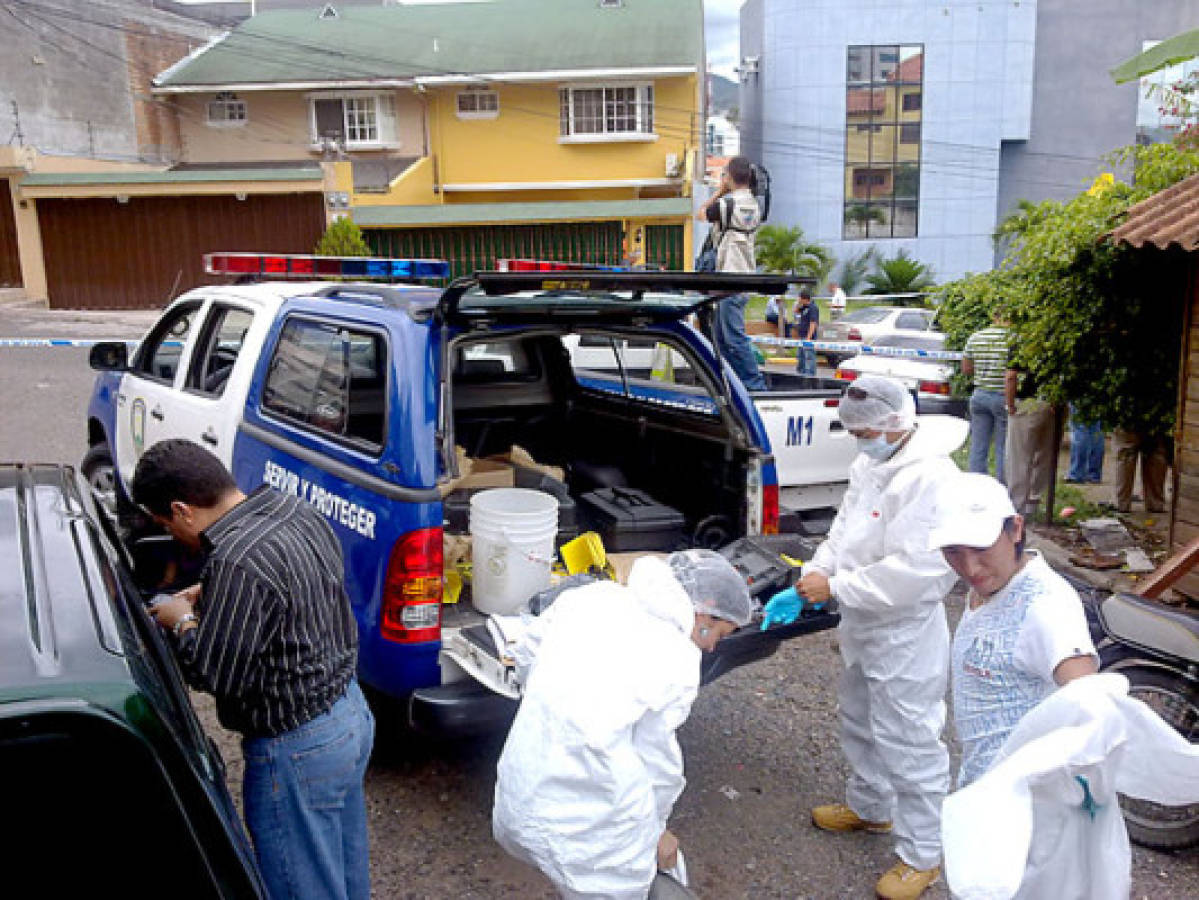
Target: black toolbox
{"x": 759, "y": 559}
{"x": 629, "y": 519}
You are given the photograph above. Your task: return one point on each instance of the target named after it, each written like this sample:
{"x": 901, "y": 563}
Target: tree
{"x": 899, "y": 274}
{"x": 1015, "y": 223}
{"x": 854, "y": 269}
{"x": 786, "y": 251}
{"x": 1177, "y": 101}
{"x": 861, "y": 214}
{"x": 1096, "y": 323}
{"x": 343, "y": 237}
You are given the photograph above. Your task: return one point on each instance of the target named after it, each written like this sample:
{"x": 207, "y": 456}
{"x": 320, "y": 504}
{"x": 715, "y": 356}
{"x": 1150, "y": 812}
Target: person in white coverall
{"x": 889, "y": 587}
{"x": 591, "y": 768}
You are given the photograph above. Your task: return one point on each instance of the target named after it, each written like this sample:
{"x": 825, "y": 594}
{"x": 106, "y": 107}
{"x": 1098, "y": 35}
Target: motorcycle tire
{"x": 1171, "y": 697}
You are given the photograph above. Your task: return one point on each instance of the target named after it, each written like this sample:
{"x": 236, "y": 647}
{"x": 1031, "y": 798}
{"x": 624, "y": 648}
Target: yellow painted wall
{"x": 277, "y": 128}
{"x": 521, "y": 143}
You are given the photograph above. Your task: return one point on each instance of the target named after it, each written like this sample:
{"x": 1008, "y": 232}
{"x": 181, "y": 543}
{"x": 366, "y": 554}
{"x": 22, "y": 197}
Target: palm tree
{"x": 861, "y": 214}
{"x": 899, "y": 274}
{"x": 854, "y": 269}
{"x": 786, "y": 251}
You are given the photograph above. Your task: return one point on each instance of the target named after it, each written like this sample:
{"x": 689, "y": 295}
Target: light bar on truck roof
{"x": 275, "y": 265}
{"x": 550, "y": 265}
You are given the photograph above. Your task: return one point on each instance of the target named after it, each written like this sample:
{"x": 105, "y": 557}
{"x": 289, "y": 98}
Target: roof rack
{"x": 636, "y": 281}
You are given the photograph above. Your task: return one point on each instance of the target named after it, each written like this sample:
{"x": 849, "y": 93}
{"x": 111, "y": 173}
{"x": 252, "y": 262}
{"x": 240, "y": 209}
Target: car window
{"x": 499, "y": 359}
{"x": 911, "y": 341}
{"x": 162, "y": 351}
{"x": 867, "y": 316}
{"x": 915, "y": 321}
{"x": 332, "y": 379}
{"x": 217, "y": 351}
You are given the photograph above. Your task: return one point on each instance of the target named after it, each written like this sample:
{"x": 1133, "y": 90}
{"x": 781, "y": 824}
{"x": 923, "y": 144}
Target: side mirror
{"x": 109, "y": 356}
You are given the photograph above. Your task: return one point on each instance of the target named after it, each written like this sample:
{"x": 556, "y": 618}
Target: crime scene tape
{"x": 853, "y": 347}
{"x": 75, "y": 342}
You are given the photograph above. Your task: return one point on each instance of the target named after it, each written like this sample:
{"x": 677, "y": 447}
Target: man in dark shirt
{"x": 269, "y": 632}
{"x": 807, "y": 326}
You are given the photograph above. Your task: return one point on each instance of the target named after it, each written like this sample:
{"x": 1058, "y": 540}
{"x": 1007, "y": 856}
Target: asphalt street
{"x": 760, "y": 746}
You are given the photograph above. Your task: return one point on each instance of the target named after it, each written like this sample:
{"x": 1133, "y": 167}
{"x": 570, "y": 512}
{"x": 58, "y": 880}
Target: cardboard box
{"x": 486, "y": 473}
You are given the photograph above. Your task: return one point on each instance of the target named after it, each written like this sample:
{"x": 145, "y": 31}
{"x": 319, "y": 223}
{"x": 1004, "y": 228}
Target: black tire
{"x": 101, "y": 474}
{"x": 1171, "y": 697}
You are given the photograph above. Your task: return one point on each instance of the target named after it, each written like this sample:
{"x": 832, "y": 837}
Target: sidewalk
{"x": 20, "y": 317}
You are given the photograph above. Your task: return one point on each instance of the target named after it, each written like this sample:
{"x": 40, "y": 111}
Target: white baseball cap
{"x": 971, "y": 510}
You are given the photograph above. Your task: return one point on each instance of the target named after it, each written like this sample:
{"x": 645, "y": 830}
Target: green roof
{"x": 363, "y": 43}
{"x": 297, "y": 173}
{"x": 479, "y": 213}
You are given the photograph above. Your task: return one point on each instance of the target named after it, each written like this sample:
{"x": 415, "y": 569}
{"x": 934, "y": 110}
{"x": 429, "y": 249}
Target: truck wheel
{"x": 1170, "y": 696}
{"x": 101, "y": 475}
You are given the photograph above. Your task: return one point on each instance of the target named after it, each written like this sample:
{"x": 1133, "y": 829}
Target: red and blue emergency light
{"x": 275, "y": 265}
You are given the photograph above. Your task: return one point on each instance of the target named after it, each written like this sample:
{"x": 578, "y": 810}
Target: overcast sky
{"x": 723, "y": 34}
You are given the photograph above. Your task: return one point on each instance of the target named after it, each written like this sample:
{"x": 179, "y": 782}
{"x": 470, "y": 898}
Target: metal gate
{"x": 476, "y": 248}
{"x": 10, "y": 259}
{"x": 101, "y": 254}
{"x": 664, "y": 246}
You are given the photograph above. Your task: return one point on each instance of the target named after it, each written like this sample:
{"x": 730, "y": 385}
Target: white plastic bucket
{"x": 512, "y": 534}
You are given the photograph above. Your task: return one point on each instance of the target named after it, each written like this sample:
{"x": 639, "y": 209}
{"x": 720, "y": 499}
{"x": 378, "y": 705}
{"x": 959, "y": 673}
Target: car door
{"x": 145, "y": 401}
{"x": 212, "y": 390}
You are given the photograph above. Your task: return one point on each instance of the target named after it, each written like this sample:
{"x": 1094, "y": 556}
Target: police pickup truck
{"x": 358, "y": 396}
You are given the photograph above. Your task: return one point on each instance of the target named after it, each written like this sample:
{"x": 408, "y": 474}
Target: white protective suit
{"x": 1027, "y": 829}
{"x": 592, "y": 768}
{"x": 894, "y": 638}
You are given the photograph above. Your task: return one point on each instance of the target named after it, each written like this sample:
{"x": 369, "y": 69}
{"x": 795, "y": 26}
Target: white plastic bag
{"x": 1045, "y": 821}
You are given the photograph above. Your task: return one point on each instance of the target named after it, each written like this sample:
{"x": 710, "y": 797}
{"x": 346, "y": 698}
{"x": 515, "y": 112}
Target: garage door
{"x": 101, "y": 254}
{"x": 470, "y": 249}
{"x": 10, "y": 261}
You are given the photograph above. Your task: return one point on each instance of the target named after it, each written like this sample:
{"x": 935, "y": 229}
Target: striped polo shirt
{"x": 277, "y": 643}
{"x": 988, "y": 350}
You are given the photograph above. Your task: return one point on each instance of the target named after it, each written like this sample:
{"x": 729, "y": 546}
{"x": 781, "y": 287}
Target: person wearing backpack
{"x": 735, "y": 216}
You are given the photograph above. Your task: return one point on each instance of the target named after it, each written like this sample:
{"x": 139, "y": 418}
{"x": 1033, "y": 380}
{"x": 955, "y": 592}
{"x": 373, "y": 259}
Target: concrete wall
{"x": 1078, "y": 112}
{"x": 77, "y": 83}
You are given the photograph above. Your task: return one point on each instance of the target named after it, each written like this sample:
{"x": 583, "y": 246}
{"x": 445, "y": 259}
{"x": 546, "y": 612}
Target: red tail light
{"x": 832, "y": 402}
{"x": 854, "y": 335}
{"x": 412, "y": 591}
{"x": 847, "y": 374}
{"x": 770, "y": 509}
{"x": 934, "y": 387}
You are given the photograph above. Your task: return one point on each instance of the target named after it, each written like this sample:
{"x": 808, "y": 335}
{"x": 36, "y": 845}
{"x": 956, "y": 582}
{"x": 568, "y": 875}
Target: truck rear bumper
{"x": 459, "y": 709}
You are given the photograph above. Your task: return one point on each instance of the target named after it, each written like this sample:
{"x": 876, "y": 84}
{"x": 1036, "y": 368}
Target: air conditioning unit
{"x": 673, "y": 167}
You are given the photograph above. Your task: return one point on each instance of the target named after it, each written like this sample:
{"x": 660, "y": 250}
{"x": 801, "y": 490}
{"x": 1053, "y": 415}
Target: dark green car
{"x": 107, "y": 780}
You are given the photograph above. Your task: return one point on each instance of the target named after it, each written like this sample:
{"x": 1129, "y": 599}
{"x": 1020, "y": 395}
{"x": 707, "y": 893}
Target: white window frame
{"x": 384, "y": 112}
{"x": 476, "y": 95}
{"x": 228, "y": 102}
{"x": 643, "y": 104}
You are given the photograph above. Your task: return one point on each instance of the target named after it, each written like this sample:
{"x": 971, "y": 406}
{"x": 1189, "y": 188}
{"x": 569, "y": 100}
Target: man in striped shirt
{"x": 985, "y": 358}
{"x": 269, "y": 632}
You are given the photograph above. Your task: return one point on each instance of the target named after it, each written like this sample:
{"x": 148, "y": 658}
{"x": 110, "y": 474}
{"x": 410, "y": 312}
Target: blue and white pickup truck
{"x": 355, "y": 396}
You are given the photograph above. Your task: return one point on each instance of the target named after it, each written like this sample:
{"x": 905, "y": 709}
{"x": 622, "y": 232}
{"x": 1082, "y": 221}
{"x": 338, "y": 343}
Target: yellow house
{"x": 470, "y": 131}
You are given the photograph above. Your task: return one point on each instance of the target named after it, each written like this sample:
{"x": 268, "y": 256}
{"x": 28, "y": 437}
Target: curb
{"x": 1058, "y": 558}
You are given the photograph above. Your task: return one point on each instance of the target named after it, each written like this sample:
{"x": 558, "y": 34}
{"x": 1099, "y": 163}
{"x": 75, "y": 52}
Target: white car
{"x": 927, "y": 379}
{"x": 869, "y": 323}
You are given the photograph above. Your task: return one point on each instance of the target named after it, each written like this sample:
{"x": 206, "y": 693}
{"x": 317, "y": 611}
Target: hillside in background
{"x": 725, "y": 94}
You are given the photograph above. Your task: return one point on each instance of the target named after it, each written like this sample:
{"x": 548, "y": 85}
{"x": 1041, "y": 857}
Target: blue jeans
{"x": 1086, "y": 450}
{"x": 988, "y": 421}
{"x": 805, "y": 362}
{"x": 305, "y": 807}
{"x": 734, "y": 342}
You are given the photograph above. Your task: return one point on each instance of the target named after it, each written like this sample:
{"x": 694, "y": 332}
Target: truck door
{"x": 214, "y": 386}
{"x": 145, "y": 400}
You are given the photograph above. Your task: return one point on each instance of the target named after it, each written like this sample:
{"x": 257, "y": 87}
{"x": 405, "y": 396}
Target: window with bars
{"x": 616, "y": 110}
{"x": 476, "y": 103}
{"x": 357, "y": 120}
{"x": 226, "y": 109}
{"x": 883, "y": 108}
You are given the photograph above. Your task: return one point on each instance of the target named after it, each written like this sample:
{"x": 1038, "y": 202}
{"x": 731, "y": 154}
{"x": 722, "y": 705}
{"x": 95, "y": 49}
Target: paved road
{"x": 760, "y": 745}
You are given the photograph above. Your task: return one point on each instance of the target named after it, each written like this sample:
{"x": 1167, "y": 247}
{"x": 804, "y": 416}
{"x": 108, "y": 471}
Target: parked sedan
{"x": 928, "y": 379}
{"x": 869, "y": 323}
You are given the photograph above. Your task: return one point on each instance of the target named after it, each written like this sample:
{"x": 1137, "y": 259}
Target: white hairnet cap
{"x": 875, "y": 402}
{"x": 714, "y": 586}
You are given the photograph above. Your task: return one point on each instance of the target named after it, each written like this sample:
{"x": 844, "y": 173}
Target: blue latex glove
{"x": 783, "y": 608}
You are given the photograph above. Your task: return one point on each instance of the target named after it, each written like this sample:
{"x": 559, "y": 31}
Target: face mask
{"x": 877, "y": 447}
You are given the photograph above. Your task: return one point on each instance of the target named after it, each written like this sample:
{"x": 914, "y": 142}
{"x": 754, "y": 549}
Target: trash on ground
{"x": 1106, "y": 534}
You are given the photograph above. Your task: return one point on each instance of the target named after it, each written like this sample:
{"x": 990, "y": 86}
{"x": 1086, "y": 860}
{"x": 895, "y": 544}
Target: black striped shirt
{"x": 276, "y": 643}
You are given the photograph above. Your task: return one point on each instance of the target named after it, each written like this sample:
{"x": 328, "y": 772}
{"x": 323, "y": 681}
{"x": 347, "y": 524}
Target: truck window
{"x": 160, "y": 354}
{"x": 330, "y": 379}
{"x": 217, "y": 350}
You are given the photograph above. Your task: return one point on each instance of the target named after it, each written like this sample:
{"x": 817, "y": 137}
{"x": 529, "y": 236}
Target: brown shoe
{"x": 839, "y": 817}
{"x": 902, "y": 882}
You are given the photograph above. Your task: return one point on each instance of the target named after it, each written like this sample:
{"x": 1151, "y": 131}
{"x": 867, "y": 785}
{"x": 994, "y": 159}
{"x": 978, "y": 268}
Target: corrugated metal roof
{"x": 176, "y": 176}
{"x": 1169, "y": 217}
{"x": 363, "y": 43}
{"x": 483, "y": 213}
